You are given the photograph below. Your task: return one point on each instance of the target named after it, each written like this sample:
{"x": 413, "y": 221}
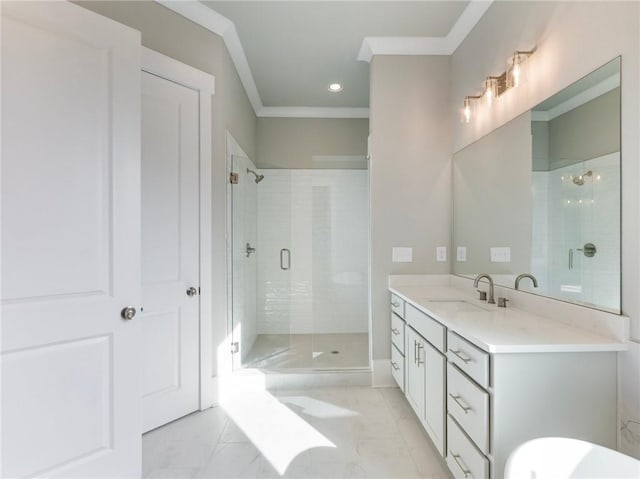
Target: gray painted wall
{"x": 175, "y": 36}
{"x": 410, "y": 174}
{"x": 292, "y": 142}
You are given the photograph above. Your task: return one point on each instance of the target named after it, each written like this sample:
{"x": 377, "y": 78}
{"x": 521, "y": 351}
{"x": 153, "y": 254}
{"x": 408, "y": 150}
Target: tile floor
{"x": 309, "y": 351}
{"x": 313, "y": 433}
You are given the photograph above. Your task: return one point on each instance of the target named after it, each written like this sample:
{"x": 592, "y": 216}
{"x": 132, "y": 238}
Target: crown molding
{"x": 427, "y": 45}
{"x": 312, "y": 112}
{"x": 222, "y": 26}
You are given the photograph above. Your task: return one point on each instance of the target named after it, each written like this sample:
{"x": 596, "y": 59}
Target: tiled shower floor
{"x": 309, "y": 351}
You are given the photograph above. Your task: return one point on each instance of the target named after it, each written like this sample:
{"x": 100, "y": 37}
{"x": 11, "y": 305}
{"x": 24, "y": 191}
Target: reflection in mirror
{"x": 541, "y": 195}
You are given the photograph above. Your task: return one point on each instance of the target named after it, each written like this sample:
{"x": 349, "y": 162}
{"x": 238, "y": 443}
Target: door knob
{"x": 589, "y": 250}
{"x": 191, "y": 292}
{"x": 128, "y": 313}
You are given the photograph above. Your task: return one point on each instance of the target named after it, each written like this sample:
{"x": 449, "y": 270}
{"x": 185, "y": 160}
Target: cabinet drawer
{"x": 397, "y": 332}
{"x": 463, "y": 459}
{"x": 469, "y": 358}
{"x": 397, "y": 305}
{"x": 397, "y": 367}
{"x": 469, "y": 405}
{"x": 429, "y": 328}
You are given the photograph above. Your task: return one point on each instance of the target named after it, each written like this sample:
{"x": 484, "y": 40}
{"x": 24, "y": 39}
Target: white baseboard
{"x": 382, "y": 377}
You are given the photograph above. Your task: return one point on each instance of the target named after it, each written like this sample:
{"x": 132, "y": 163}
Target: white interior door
{"x": 70, "y": 243}
{"x": 170, "y": 250}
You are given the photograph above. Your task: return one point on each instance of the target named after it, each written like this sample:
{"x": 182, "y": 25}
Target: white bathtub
{"x": 560, "y": 458}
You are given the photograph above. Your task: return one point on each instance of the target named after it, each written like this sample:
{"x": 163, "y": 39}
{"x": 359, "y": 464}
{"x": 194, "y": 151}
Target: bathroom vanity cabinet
{"x": 425, "y": 380}
{"x": 483, "y": 380}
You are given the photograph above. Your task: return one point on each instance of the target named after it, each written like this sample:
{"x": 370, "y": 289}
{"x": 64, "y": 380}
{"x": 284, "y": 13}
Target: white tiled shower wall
{"x": 566, "y": 216}
{"x": 321, "y": 217}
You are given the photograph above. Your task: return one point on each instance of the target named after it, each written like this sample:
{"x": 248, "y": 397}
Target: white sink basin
{"x": 560, "y": 458}
{"x": 456, "y": 305}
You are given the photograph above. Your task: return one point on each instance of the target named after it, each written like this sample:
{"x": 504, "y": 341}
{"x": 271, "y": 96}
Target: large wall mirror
{"x": 541, "y": 195}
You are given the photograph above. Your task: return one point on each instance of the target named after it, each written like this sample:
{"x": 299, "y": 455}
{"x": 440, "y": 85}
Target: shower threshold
{"x": 309, "y": 352}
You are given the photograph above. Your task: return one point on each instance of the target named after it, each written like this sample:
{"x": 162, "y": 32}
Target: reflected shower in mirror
{"x": 541, "y": 195}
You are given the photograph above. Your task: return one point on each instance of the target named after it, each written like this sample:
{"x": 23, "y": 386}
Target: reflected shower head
{"x": 259, "y": 178}
{"x": 579, "y": 180}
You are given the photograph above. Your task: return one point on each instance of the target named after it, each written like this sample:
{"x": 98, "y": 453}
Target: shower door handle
{"x": 570, "y": 258}
{"x": 282, "y": 252}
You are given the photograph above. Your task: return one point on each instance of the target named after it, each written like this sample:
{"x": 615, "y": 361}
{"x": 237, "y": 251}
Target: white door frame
{"x": 165, "y": 67}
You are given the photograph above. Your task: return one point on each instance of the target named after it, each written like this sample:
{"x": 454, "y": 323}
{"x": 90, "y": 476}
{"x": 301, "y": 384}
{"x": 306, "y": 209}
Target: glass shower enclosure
{"x": 300, "y": 241}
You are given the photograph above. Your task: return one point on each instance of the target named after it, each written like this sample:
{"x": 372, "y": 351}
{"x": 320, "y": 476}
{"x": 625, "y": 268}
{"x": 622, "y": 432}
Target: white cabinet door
{"x": 414, "y": 363}
{"x": 170, "y": 251}
{"x": 435, "y": 364}
{"x": 70, "y": 243}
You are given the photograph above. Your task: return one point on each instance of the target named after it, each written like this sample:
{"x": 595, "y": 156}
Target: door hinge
{"x": 235, "y": 347}
{"x": 233, "y": 178}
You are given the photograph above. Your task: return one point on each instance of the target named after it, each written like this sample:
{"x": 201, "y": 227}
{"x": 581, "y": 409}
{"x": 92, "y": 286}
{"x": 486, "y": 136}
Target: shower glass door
{"x": 273, "y": 347}
{"x": 254, "y": 302}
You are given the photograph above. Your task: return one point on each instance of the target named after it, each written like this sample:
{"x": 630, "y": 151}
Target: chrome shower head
{"x": 579, "y": 180}
{"x": 259, "y": 178}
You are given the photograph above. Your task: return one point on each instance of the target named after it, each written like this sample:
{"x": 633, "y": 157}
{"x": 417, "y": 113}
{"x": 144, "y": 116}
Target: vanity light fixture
{"x": 494, "y": 86}
{"x": 468, "y": 107}
{"x": 335, "y": 87}
{"x": 514, "y": 73}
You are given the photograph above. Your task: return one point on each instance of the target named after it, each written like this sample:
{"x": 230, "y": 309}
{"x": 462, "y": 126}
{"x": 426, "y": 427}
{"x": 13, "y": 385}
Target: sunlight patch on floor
{"x": 277, "y": 432}
{"x": 317, "y": 408}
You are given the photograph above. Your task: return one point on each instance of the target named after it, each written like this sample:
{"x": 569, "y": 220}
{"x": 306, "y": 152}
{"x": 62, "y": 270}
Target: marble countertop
{"x": 501, "y": 330}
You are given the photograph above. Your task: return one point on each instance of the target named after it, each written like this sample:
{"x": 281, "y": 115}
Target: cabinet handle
{"x": 395, "y": 304}
{"x": 395, "y": 331}
{"x": 456, "y": 398}
{"x": 466, "y": 359}
{"x": 456, "y": 457}
{"x": 420, "y": 346}
{"x": 395, "y": 366}
{"x": 415, "y": 351}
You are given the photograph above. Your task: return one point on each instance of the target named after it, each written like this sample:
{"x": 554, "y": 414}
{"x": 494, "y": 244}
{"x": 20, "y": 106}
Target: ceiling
{"x": 287, "y": 52}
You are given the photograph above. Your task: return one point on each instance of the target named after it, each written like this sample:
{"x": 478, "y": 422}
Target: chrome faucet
{"x": 526, "y": 275}
{"x": 477, "y": 281}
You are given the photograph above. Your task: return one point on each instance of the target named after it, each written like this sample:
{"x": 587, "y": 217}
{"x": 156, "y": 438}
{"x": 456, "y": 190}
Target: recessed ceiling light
{"x": 335, "y": 87}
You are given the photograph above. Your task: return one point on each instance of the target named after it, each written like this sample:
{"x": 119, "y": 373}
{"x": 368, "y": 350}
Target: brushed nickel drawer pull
{"x": 456, "y": 398}
{"x": 395, "y": 331}
{"x": 395, "y": 304}
{"x": 456, "y": 458}
{"x": 420, "y": 361}
{"x": 466, "y": 359}
{"x": 395, "y": 366}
